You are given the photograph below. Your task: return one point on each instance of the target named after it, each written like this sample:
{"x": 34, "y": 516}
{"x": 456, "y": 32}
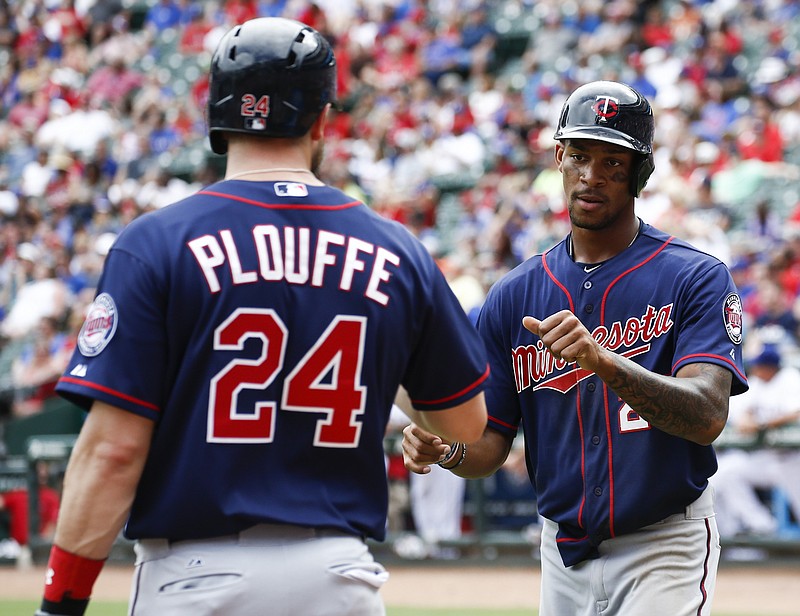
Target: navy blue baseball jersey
{"x": 265, "y": 328}
{"x": 599, "y": 469}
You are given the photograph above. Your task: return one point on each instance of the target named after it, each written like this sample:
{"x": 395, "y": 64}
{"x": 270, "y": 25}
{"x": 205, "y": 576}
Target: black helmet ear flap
{"x": 644, "y": 169}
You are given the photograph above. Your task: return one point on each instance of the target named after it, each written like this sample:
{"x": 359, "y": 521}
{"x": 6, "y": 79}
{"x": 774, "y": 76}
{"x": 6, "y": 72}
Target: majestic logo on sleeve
{"x": 99, "y": 326}
{"x": 606, "y": 107}
{"x": 534, "y": 364}
{"x": 732, "y": 315}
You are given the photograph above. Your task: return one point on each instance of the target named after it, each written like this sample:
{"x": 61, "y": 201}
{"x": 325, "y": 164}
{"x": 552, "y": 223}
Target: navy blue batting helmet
{"x": 615, "y": 113}
{"x": 270, "y": 77}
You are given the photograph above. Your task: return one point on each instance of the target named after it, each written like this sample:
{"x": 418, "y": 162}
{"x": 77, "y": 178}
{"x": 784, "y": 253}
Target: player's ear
{"x": 558, "y": 153}
{"x": 317, "y": 130}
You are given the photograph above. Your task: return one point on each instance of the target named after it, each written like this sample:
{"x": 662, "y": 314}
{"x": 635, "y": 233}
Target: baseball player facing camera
{"x": 240, "y": 362}
{"x": 616, "y": 351}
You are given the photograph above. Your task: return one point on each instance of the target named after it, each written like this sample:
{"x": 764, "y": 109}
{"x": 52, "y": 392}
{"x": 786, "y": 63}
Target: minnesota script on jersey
{"x": 600, "y": 469}
{"x": 265, "y": 327}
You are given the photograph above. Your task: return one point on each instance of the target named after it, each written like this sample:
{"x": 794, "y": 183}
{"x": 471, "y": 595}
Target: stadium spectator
{"x": 42, "y": 295}
{"x": 113, "y": 82}
{"x": 14, "y": 504}
{"x": 63, "y": 22}
{"x": 239, "y": 11}
{"x": 31, "y": 111}
{"x": 194, "y": 35}
{"x": 36, "y": 175}
{"x": 8, "y": 33}
{"x": 614, "y": 33}
{"x": 114, "y": 38}
{"x": 771, "y": 403}
{"x": 442, "y": 52}
{"x": 163, "y": 15}
{"x": 725, "y": 76}
{"x": 655, "y": 31}
{"x": 37, "y": 368}
{"x": 758, "y": 135}
{"x": 479, "y": 38}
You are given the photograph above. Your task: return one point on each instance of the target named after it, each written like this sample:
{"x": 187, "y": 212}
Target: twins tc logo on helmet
{"x": 605, "y": 107}
{"x": 99, "y": 326}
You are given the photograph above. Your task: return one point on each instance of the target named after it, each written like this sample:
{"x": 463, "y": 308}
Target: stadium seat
{"x": 58, "y": 416}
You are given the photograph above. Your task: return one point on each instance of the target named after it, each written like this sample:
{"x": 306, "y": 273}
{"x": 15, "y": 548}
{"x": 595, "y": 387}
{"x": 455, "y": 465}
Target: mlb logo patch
{"x": 256, "y": 123}
{"x": 291, "y": 189}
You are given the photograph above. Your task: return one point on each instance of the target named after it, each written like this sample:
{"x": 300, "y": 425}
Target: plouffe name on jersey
{"x": 289, "y": 254}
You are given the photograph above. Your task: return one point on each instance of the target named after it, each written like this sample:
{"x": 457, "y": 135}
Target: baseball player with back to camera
{"x": 240, "y": 362}
{"x": 616, "y": 351}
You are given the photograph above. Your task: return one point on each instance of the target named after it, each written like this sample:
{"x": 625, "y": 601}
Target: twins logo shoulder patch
{"x": 99, "y": 326}
{"x": 732, "y": 315}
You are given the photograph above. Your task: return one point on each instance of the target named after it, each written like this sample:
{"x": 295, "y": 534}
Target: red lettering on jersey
{"x": 534, "y": 363}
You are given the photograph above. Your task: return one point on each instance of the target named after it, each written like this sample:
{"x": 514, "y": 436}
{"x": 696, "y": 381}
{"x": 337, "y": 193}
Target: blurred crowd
{"x": 447, "y": 113}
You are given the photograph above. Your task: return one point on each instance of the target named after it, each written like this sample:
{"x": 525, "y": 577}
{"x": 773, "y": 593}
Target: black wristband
{"x": 450, "y": 457}
{"x": 65, "y": 607}
{"x": 450, "y": 454}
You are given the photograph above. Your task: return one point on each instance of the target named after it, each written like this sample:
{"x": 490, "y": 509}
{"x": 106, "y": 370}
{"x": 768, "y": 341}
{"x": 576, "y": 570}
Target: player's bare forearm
{"x": 422, "y": 449}
{"x": 485, "y": 456}
{"x": 692, "y": 405}
{"x": 464, "y": 422}
{"x": 101, "y": 480}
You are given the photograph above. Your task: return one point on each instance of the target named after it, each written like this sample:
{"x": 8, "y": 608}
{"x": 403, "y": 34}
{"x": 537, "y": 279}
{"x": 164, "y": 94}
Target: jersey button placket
{"x": 588, "y": 308}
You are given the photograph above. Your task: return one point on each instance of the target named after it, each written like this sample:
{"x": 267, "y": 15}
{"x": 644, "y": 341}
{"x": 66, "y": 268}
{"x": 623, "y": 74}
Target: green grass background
{"x": 119, "y": 608}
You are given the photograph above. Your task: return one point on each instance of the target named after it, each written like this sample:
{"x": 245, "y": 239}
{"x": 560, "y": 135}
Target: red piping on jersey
{"x": 625, "y": 273}
{"x": 703, "y": 590}
{"x": 572, "y": 539}
{"x": 113, "y": 392}
{"x": 609, "y": 439}
{"x": 503, "y": 423}
{"x": 281, "y": 206}
{"x": 719, "y": 357}
{"x": 606, "y": 403}
{"x": 577, "y": 392}
{"x": 480, "y": 380}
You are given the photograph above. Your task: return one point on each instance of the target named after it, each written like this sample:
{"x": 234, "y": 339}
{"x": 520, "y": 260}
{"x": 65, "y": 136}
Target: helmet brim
{"x": 600, "y": 133}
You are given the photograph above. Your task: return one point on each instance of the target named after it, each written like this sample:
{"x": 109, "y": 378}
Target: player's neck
{"x": 283, "y": 159}
{"x": 275, "y": 173}
{"x": 591, "y": 246}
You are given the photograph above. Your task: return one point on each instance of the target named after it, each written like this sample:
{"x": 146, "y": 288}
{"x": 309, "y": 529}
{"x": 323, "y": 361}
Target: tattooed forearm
{"x": 693, "y": 406}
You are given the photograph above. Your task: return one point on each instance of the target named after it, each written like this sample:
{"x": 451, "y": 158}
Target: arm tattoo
{"x": 693, "y": 405}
